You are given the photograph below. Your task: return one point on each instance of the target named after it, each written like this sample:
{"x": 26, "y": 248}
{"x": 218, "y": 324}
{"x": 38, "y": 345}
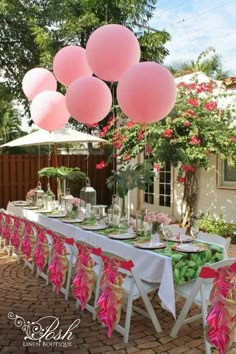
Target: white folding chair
{"x": 16, "y": 238}
{"x": 172, "y": 230}
{"x": 215, "y": 239}
{"x": 28, "y": 243}
{"x": 2, "y": 224}
{"x": 197, "y": 292}
{"x": 134, "y": 288}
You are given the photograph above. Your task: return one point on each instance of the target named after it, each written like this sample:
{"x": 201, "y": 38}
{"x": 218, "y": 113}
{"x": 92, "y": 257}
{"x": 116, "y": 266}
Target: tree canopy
{"x": 208, "y": 61}
{"x": 32, "y": 31}
{"x": 198, "y": 126}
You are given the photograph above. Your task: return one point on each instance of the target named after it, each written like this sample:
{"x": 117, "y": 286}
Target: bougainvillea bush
{"x": 199, "y": 125}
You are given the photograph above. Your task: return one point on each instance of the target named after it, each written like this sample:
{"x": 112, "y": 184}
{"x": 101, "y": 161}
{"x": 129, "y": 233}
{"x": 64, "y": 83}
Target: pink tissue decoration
{"x": 26, "y": 246}
{"x": 84, "y": 279}
{"x": 221, "y": 319}
{"x": 41, "y": 255}
{"x": 15, "y": 239}
{"x": 111, "y": 299}
{"x": 59, "y": 263}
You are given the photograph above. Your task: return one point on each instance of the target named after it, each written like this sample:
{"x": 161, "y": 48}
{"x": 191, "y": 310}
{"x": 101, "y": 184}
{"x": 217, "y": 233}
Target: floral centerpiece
{"x": 155, "y": 219}
{"x": 30, "y": 196}
{"x": 74, "y": 204}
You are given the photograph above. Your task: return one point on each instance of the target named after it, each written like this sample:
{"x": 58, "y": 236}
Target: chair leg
{"x": 148, "y": 306}
{"x": 128, "y": 317}
{"x": 67, "y": 289}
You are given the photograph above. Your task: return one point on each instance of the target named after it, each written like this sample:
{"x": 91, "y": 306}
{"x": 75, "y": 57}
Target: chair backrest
{"x": 173, "y": 230}
{"x": 215, "y": 239}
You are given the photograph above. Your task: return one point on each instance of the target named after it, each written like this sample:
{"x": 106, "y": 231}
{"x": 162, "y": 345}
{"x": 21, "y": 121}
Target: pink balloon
{"x": 70, "y": 63}
{"x": 146, "y": 92}
{"x": 88, "y": 99}
{"x": 111, "y": 50}
{"x": 37, "y": 80}
{"x": 48, "y": 110}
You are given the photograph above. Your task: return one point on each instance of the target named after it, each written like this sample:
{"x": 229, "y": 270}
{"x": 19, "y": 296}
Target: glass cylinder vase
{"x": 155, "y": 232}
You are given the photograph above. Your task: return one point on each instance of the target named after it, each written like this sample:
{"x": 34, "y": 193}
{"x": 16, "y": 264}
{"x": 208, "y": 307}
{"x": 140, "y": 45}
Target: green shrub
{"x": 217, "y": 226}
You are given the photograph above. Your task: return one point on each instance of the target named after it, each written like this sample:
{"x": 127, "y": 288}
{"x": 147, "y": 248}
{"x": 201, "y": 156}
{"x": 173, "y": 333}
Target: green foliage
{"x": 208, "y": 61}
{"x": 33, "y": 31}
{"x": 63, "y": 173}
{"x": 216, "y": 225}
{"x": 129, "y": 177}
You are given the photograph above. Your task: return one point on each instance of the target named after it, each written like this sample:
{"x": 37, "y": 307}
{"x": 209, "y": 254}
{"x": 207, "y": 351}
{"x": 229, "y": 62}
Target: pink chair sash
{"x": 111, "y": 299}
{"x": 84, "y": 280}
{"x": 222, "y": 317}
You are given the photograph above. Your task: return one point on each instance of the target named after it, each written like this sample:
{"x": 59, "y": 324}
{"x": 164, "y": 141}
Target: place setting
{"x": 190, "y": 248}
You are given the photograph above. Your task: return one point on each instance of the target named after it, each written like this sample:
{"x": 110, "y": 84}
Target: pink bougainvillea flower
{"x": 126, "y": 158}
{"x": 194, "y": 140}
{"x": 141, "y": 133}
{"x": 181, "y": 179}
{"x": 193, "y": 102}
{"x": 129, "y": 124}
{"x": 168, "y": 133}
{"x": 156, "y": 167}
{"x": 92, "y": 125}
{"x": 233, "y": 138}
{"x": 210, "y": 105}
{"x": 187, "y": 123}
{"x": 101, "y": 165}
{"x": 190, "y": 112}
{"x": 148, "y": 150}
{"x": 187, "y": 168}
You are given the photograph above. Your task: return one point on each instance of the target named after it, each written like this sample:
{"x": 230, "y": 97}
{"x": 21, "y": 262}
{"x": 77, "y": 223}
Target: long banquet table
{"x": 151, "y": 266}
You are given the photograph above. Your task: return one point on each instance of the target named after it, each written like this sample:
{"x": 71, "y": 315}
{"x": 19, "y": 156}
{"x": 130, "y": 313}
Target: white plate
{"x": 150, "y": 245}
{"x": 190, "y": 248}
{"x": 125, "y": 236}
{"x": 182, "y": 238}
{"x": 93, "y": 227}
{"x": 20, "y": 203}
{"x": 30, "y": 207}
{"x": 71, "y": 221}
{"x": 43, "y": 211}
{"x": 56, "y": 215}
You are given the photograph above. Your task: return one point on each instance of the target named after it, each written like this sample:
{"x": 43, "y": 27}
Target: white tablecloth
{"x": 152, "y": 267}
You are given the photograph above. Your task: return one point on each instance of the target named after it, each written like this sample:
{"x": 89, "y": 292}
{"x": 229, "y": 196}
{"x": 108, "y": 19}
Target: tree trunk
{"x": 189, "y": 196}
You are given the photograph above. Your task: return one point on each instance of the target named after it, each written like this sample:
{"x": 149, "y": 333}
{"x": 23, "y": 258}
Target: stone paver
{"x": 25, "y": 295}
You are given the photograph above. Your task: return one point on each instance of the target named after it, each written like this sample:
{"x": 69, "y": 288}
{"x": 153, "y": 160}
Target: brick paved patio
{"x": 25, "y": 295}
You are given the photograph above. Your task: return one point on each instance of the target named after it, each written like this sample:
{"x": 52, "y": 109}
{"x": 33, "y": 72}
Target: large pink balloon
{"x": 70, "y": 63}
{"x": 88, "y": 99}
{"x": 37, "y": 80}
{"x": 48, "y": 110}
{"x": 146, "y": 92}
{"x": 111, "y": 50}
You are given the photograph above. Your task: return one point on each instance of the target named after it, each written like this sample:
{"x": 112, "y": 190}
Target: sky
{"x": 196, "y": 25}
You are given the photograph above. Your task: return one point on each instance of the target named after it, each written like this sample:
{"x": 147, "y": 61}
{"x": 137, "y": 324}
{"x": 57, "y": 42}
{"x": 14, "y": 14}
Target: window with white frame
{"x": 165, "y": 185}
{"x": 227, "y": 175}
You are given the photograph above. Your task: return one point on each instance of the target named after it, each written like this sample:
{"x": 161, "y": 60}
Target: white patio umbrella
{"x": 43, "y": 137}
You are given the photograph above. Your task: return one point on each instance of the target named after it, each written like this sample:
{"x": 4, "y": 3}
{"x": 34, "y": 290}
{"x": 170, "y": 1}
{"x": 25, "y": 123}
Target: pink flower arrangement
{"x": 30, "y": 194}
{"x": 159, "y": 218}
{"x": 75, "y": 202}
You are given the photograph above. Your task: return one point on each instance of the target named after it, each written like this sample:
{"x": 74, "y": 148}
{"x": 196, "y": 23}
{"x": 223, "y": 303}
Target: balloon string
{"x": 39, "y": 163}
{"x": 114, "y": 158}
{"x": 145, "y": 163}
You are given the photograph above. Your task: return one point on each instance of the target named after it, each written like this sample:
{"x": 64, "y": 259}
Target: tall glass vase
{"x": 155, "y": 232}
{"x": 125, "y": 212}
